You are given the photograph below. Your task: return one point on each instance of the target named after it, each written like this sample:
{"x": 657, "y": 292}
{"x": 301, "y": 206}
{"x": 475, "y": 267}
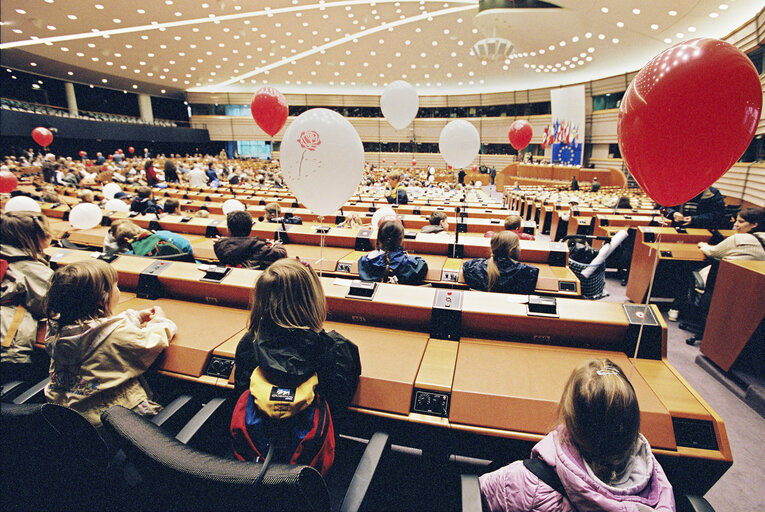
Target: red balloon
{"x": 687, "y": 117}
{"x": 131, "y": 149}
{"x": 42, "y": 136}
{"x": 383, "y": 160}
{"x": 520, "y": 134}
{"x": 83, "y": 154}
{"x": 475, "y": 168}
{"x": 110, "y": 157}
{"x": 269, "y": 109}
{"x": 119, "y": 151}
{"x": 449, "y": 167}
{"x": 8, "y": 182}
{"x": 414, "y": 162}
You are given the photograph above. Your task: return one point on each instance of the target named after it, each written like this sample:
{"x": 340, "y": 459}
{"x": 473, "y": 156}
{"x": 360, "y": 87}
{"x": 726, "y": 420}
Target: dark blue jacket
{"x": 514, "y": 277}
{"x": 705, "y": 212}
{"x": 407, "y": 269}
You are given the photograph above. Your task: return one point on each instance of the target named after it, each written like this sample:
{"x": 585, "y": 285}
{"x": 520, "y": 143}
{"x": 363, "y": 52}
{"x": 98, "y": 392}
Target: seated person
{"x": 85, "y": 195}
{"x": 747, "y": 244}
{"x": 705, "y": 211}
{"x": 143, "y": 242}
{"x": 274, "y": 214}
{"x": 513, "y": 223}
{"x": 438, "y": 223}
{"x": 595, "y": 185}
{"x": 172, "y": 206}
{"x": 502, "y": 272}
{"x": 241, "y": 250}
{"x": 144, "y": 203}
{"x": 202, "y": 213}
{"x": 398, "y": 191}
{"x": 597, "y": 454}
{"x": 389, "y": 263}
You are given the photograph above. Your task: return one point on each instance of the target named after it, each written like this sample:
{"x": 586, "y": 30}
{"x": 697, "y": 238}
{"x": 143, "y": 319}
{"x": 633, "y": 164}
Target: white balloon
{"x": 399, "y": 104}
{"x": 432, "y": 170}
{"x": 22, "y": 204}
{"x": 110, "y": 189}
{"x": 322, "y": 160}
{"x": 459, "y": 143}
{"x": 478, "y": 184}
{"x": 431, "y": 178}
{"x": 232, "y": 205}
{"x": 85, "y": 216}
{"x": 382, "y": 214}
{"x": 116, "y": 205}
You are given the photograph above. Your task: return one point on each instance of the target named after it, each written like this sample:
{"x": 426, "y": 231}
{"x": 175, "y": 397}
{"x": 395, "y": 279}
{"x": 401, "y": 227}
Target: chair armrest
{"x": 365, "y": 470}
{"x": 698, "y": 281}
{"x": 173, "y": 410}
{"x": 471, "y": 493}
{"x": 199, "y": 419}
{"x": 30, "y": 393}
{"x": 691, "y": 503}
{"x": 8, "y": 387}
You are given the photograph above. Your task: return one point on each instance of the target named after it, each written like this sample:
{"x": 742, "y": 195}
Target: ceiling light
{"x": 615, "y": 40}
{"x": 98, "y": 6}
{"x": 672, "y": 13}
{"x": 680, "y": 35}
{"x": 667, "y": 40}
{"x": 21, "y": 11}
{"x": 619, "y": 24}
{"x": 51, "y": 27}
{"x": 713, "y": 15}
{"x": 64, "y": 49}
{"x": 654, "y": 27}
{"x": 723, "y": 7}
{"x": 588, "y": 35}
{"x": 72, "y": 17}
{"x": 604, "y": 9}
{"x": 635, "y": 11}
{"x": 601, "y": 36}
{"x": 691, "y": 29}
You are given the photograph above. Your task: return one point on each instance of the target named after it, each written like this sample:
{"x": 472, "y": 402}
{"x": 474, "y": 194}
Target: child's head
{"x": 239, "y": 223}
{"x": 513, "y": 222}
{"x": 27, "y": 231}
{"x": 124, "y": 231}
{"x": 171, "y": 205}
{"x": 143, "y": 192}
{"x": 288, "y": 294}
{"x": 505, "y": 244}
{"x": 600, "y": 412}
{"x": 436, "y": 218}
{"x": 82, "y": 291}
{"x": 273, "y": 211}
{"x": 390, "y": 235}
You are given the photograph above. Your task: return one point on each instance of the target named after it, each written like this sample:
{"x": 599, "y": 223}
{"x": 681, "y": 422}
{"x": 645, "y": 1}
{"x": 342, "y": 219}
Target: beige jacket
{"x": 98, "y": 364}
{"x": 25, "y": 284}
{"x": 741, "y": 246}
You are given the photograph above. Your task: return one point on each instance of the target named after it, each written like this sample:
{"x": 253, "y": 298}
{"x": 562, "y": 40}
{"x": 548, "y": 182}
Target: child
{"x": 97, "y": 359}
{"x": 287, "y": 345}
{"x": 142, "y": 242}
{"x": 389, "y": 262}
{"x": 597, "y": 452}
{"x": 25, "y": 275}
{"x": 242, "y": 250}
{"x": 502, "y": 272}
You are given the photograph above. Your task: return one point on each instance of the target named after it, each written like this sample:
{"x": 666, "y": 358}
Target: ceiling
{"x": 347, "y": 47}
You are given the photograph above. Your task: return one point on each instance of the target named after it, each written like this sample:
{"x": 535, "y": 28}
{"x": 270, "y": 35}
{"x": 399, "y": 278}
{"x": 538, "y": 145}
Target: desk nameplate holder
{"x": 650, "y": 345}
{"x": 446, "y": 317}
{"x": 364, "y": 290}
{"x": 364, "y": 240}
{"x": 558, "y": 254}
{"x": 149, "y": 286}
{"x": 215, "y": 273}
{"x": 540, "y": 305}
{"x": 212, "y": 229}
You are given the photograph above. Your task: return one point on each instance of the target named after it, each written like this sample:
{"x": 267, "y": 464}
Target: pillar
{"x": 71, "y": 98}
{"x": 144, "y": 106}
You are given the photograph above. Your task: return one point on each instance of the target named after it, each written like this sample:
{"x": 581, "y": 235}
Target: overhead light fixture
{"x": 492, "y": 48}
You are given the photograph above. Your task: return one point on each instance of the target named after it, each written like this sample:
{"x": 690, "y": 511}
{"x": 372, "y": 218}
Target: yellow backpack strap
{"x": 281, "y": 402}
{"x": 18, "y": 316}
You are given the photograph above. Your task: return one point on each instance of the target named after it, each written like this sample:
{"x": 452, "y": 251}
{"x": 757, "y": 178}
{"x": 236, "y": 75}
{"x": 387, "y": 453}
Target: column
{"x": 144, "y": 106}
{"x": 71, "y": 98}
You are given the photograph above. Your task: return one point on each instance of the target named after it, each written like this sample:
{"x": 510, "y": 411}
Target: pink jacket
{"x": 642, "y": 488}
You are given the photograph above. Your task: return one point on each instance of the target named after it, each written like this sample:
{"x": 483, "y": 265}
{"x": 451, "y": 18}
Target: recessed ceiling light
{"x": 601, "y": 36}
{"x": 64, "y": 49}
{"x": 691, "y": 29}
{"x": 141, "y": 11}
{"x": 604, "y": 9}
{"x": 635, "y": 11}
{"x": 713, "y": 15}
{"x": 98, "y": 6}
{"x": 21, "y": 11}
{"x": 723, "y": 7}
{"x": 72, "y": 17}
{"x": 654, "y": 27}
{"x": 619, "y": 24}
{"x": 680, "y": 35}
{"x": 667, "y": 40}
{"x": 672, "y": 13}
{"x": 51, "y": 27}
{"x": 33, "y": 64}
{"x": 117, "y": 20}
{"x": 70, "y": 73}
{"x": 588, "y": 35}
{"x": 615, "y": 40}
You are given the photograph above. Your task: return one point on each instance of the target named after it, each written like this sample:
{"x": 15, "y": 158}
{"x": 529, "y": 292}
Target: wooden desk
{"x": 738, "y": 300}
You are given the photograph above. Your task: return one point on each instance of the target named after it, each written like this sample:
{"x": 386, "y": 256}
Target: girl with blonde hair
{"x": 24, "y": 283}
{"x": 97, "y": 358}
{"x": 502, "y": 272}
{"x": 597, "y": 453}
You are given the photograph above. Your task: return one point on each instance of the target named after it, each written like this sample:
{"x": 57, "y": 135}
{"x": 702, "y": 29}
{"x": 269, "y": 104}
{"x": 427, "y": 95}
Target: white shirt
{"x": 197, "y": 178}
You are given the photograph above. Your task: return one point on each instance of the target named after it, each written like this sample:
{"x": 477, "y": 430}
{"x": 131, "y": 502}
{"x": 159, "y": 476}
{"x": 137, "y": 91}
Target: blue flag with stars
{"x": 567, "y": 154}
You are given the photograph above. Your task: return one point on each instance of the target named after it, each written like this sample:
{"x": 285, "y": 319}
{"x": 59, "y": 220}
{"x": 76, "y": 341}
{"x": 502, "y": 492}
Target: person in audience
{"x": 748, "y": 243}
{"x": 143, "y": 242}
{"x": 241, "y": 250}
{"x": 24, "y": 276}
{"x": 50, "y": 196}
{"x": 514, "y": 223}
{"x": 437, "y": 223}
{"x": 398, "y": 190}
{"x": 202, "y": 213}
{"x": 212, "y": 177}
{"x": 171, "y": 171}
{"x": 502, "y": 272}
{"x": 196, "y": 177}
{"x": 97, "y": 358}
{"x": 85, "y": 196}
{"x": 597, "y": 453}
{"x": 574, "y": 184}
{"x": 172, "y": 206}
{"x": 151, "y": 173}
{"x": 274, "y": 214}
{"x": 623, "y": 203}
{"x": 144, "y": 203}
{"x": 390, "y": 263}
{"x": 705, "y": 211}
{"x": 286, "y": 341}
{"x": 595, "y": 185}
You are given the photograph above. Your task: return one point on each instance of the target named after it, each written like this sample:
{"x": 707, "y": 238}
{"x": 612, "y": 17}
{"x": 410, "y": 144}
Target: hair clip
{"x": 608, "y": 370}
{"x": 304, "y": 262}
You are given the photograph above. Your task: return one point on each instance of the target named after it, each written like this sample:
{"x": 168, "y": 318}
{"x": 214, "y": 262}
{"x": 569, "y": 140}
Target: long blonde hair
{"x": 288, "y": 294}
{"x": 27, "y": 231}
{"x": 601, "y": 416}
{"x": 504, "y": 245}
{"x": 81, "y": 291}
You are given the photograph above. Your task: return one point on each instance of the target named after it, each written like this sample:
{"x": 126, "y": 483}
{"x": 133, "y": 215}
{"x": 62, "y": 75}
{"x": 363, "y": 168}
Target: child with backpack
{"x": 292, "y": 377}
{"x": 135, "y": 240}
{"x": 596, "y": 458}
{"x": 24, "y": 276}
{"x": 97, "y": 358}
{"x": 390, "y": 263}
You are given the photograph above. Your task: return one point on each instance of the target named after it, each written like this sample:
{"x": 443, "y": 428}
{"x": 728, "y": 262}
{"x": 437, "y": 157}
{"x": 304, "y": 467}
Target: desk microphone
{"x": 457, "y": 234}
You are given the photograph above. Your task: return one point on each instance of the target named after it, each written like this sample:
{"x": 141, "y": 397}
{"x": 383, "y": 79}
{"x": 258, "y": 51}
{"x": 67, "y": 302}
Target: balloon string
{"x": 321, "y": 244}
{"x": 647, "y": 302}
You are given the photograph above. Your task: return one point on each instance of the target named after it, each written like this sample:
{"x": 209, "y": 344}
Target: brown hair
{"x": 394, "y": 176}
{"x": 513, "y": 222}
{"x": 274, "y": 209}
{"x": 601, "y": 416}
{"x": 27, "y": 231}
{"x": 80, "y": 292}
{"x": 436, "y": 217}
{"x": 390, "y": 235}
{"x": 288, "y": 294}
{"x": 504, "y": 245}
{"x": 124, "y": 231}
{"x": 754, "y": 215}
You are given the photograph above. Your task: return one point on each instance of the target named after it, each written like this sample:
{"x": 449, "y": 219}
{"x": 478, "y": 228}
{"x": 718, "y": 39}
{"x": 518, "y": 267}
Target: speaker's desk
{"x": 738, "y": 300}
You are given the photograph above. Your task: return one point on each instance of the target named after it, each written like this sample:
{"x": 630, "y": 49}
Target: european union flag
{"x": 570, "y": 154}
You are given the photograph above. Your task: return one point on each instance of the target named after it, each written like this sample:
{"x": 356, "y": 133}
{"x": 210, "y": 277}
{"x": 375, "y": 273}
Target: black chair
{"x": 471, "y": 498}
{"x": 184, "y": 256}
{"x": 53, "y": 459}
{"x": 696, "y": 308}
{"x": 177, "y": 477}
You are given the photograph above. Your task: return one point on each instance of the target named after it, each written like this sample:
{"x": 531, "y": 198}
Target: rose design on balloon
{"x": 309, "y": 141}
